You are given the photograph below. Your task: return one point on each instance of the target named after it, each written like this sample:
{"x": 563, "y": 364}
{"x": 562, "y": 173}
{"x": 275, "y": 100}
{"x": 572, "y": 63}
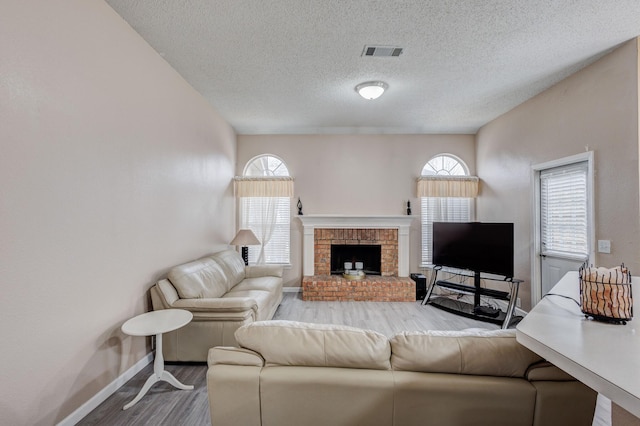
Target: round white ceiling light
{"x": 371, "y": 89}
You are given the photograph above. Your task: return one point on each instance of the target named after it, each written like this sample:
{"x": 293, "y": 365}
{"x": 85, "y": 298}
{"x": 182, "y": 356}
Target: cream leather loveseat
{"x": 289, "y": 373}
{"x": 223, "y": 294}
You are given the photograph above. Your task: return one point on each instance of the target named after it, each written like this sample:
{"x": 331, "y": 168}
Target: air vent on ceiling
{"x": 382, "y": 51}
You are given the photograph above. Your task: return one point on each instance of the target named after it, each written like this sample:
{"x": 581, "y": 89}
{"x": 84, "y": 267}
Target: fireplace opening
{"x": 369, "y": 255}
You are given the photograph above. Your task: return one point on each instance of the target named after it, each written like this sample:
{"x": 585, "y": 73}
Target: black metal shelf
{"x": 469, "y": 289}
{"x": 475, "y": 310}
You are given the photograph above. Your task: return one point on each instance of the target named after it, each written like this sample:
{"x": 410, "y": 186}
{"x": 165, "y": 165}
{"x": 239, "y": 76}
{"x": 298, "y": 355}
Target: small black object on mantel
{"x": 409, "y": 208}
{"x": 300, "y": 207}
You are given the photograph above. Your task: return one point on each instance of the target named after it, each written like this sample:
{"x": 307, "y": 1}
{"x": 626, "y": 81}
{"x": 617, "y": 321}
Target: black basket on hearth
{"x": 605, "y": 294}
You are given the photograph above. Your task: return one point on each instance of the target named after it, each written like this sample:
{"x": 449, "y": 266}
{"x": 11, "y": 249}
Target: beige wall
{"x": 595, "y": 109}
{"x": 354, "y": 175}
{"x": 112, "y": 170}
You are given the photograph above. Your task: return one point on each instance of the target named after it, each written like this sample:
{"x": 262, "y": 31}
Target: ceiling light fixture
{"x": 371, "y": 89}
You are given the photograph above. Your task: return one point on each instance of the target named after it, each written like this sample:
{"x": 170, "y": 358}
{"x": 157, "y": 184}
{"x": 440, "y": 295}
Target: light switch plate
{"x": 604, "y": 246}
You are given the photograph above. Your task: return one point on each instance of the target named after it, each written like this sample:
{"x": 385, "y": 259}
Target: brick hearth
{"x": 330, "y": 288}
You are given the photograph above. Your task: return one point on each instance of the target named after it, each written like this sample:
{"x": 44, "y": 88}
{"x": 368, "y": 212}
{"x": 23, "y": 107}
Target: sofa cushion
{"x": 253, "y": 271}
{"x": 233, "y": 266}
{"x": 315, "y": 345}
{"x": 272, "y": 284}
{"x": 264, "y": 299}
{"x": 487, "y": 352}
{"x": 201, "y": 278}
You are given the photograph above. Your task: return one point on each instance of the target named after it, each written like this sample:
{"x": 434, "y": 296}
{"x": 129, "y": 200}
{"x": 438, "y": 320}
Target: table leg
{"x": 159, "y": 374}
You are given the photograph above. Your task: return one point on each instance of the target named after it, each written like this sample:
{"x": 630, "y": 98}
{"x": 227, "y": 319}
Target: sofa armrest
{"x": 230, "y": 355}
{"x": 256, "y": 271}
{"x": 545, "y": 371}
{"x": 167, "y": 294}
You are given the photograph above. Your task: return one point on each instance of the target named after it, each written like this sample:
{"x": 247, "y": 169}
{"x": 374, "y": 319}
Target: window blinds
{"x": 441, "y": 209}
{"x": 563, "y": 210}
{"x": 269, "y": 218}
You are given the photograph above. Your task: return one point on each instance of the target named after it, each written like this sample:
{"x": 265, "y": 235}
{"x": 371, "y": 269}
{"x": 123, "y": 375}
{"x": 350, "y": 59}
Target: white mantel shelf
{"x": 605, "y": 357}
{"x": 348, "y": 221}
{"x": 311, "y": 222}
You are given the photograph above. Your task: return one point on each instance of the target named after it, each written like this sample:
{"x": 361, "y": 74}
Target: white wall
{"x": 112, "y": 170}
{"x": 353, "y": 175}
{"x": 595, "y": 109}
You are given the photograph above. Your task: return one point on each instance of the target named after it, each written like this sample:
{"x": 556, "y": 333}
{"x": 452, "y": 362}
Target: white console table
{"x": 605, "y": 357}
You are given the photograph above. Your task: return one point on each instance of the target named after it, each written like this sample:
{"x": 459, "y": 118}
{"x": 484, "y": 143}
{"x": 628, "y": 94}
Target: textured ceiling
{"x": 290, "y": 66}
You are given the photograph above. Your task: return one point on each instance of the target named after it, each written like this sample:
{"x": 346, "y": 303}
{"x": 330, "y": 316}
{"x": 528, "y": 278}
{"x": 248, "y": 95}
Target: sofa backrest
{"x": 233, "y": 266}
{"x": 315, "y": 345}
{"x": 201, "y": 278}
{"x": 476, "y": 352}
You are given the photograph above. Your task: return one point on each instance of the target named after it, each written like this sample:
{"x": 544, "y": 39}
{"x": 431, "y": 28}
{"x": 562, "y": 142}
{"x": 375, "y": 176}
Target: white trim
{"x": 82, "y": 411}
{"x": 291, "y": 289}
{"x": 536, "y": 263}
{"x": 347, "y": 221}
{"x": 311, "y": 222}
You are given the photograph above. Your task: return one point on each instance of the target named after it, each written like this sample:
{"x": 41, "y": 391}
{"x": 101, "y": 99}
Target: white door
{"x": 564, "y": 217}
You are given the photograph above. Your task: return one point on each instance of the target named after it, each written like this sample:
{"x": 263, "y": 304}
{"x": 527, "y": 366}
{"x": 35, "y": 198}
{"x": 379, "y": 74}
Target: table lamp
{"x": 244, "y": 238}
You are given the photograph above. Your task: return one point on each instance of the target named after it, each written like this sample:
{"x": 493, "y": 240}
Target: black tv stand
{"x": 486, "y": 311}
{"x": 475, "y": 310}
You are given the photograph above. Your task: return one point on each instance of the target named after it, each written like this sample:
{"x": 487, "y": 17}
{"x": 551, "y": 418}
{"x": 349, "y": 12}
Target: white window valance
{"x": 448, "y": 186}
{"x": 276, "y": 186}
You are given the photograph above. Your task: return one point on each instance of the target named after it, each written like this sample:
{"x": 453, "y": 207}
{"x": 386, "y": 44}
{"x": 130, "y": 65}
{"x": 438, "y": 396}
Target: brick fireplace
{"x": 391, "y": 233}
{"x": 387, "y": 239}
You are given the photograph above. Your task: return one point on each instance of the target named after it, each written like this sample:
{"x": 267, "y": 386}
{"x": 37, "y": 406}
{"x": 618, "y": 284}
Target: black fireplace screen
{"x": 369, "y": 255}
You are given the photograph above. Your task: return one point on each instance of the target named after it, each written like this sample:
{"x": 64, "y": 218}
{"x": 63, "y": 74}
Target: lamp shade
{"x": 245, "y": 237}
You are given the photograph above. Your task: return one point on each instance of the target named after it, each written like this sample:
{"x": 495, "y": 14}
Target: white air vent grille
{"x": 382, "y": 51}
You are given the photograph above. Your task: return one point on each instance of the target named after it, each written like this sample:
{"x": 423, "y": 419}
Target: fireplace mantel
{"x": 311, "y": 222}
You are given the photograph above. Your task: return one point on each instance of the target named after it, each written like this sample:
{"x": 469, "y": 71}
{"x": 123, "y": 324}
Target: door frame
{"x": 536, "y": 262}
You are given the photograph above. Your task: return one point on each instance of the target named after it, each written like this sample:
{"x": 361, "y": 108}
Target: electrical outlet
{"x": 518, "y": 304}
{"x": 604, "y": 246}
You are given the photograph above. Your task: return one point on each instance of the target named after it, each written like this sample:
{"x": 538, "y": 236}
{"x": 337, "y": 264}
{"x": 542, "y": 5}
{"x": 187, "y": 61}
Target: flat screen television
{"x": 476, "y": 246}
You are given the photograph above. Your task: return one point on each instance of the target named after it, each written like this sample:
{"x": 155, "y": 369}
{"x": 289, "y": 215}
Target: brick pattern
{"x": 332, "y": 288}
{"x": 386, "y": 238}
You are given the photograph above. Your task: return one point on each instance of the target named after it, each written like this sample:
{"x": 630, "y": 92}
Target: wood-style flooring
{"x": 166, "y": 405}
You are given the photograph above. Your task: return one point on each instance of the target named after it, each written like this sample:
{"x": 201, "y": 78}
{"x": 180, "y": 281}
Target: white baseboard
{"x": 106, "y": 392}
{"x": 291, "y": 289}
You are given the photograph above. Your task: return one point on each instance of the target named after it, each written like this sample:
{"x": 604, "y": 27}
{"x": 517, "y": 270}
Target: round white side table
{"x": 148, "y": 324}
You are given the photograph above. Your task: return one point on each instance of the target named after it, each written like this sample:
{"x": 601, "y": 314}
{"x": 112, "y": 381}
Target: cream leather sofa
{"x": 288, "y": 373}
{"x": 223, "y": 294}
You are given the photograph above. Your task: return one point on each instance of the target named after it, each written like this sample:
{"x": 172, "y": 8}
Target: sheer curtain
{"x": 268, "y": 221}
{"x": 265, "y": 209}
{"x": 444, "y": 199}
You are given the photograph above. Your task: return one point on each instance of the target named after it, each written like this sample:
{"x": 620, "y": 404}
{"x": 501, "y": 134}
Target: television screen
{"x": 476, "y": 246}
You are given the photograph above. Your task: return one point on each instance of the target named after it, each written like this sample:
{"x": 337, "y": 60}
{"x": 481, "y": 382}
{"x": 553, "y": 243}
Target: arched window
{"x": 443, "y": 200}
{"x": 265, "y": 192}
{"x": 445, "y": 164}
{"x": 266, "y": 165}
